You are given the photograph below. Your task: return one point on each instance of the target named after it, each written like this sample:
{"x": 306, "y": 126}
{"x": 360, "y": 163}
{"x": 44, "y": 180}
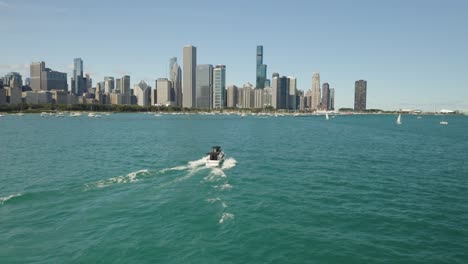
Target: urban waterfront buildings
{"x": 189, "y": 76}
{"x": 163, "y": 91}
{"x": 198, "y": 86}
{"x": 360, "y": 95}
{"x": 43, "y": 78}
{"x": 176, "y": 79}
{"x": 8, "y": 79}
{"x": 108, "y": 84}
{"x": 261, "y": 69}
{"x": 142, "y": 92}
{"x": 219, "y": 86}
{"x": 280, "y": 92}
{"x": 204, "y": 87}
{"x": 315, "y": 100}
{"x": 78, "y": 82}
{"x": 325, "y": 96}
{"x": 292, "y": 93}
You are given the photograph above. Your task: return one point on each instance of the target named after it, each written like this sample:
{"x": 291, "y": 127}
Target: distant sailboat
{"x": 326, "y": 116}
{"x": 398, "y": 121}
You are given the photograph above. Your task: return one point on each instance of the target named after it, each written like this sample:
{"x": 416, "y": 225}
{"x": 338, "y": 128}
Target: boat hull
{"x": 214, "y": 163}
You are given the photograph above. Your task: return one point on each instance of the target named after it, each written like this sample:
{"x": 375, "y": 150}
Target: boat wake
{"x": 191, "y": 168}
{"x": 229, "y": 164}
{"x": 219, "y": 175}
{"x": 131, "y": 177}
{"x": 225, "y": 217}
{"x": 6, "y": 198}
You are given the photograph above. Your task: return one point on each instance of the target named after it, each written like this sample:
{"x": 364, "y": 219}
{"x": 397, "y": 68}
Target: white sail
{"x": 398, "y": 121}
{"x": 326, "y": 116}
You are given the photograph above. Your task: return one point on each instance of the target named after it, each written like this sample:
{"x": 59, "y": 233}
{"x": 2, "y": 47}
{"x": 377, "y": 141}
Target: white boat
{"x": 44, "y": 114}
{"x": 443, "y": 123}
{"x": 398, "y": 121}
{"x": 75, "y": 114}
{"x": 20, "y": 114}
{"x": 1, "y": 115}
{"x": 215, "y": 157}
{"x": 91, "y": 115}
{"x": 326, "y": 116}
{"x": 59, "y": 115}
{"x": 157, "y": 115}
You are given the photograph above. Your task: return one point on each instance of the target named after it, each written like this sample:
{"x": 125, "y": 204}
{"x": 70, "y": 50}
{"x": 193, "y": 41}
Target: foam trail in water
{"x": 6, "y": 198}
{"x": 213, "y": 200}
{"x": 215, "y": 175}
{"x": 131, "y": 177}
{"x": 229, "y": 164}
{"x": 225, "y": 217}
{"x": 225, "y": 186}
{"x": 190, "y": 165}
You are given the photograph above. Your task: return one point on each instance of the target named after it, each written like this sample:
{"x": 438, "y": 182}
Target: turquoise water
{"x": 132, "y": 188}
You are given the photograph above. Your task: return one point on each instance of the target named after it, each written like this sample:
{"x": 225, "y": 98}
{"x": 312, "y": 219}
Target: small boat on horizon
{"x": 215, "y": 157}
{"x": 443, "y": 123}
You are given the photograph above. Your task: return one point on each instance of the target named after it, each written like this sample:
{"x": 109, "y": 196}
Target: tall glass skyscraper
{"x": 176, "y": 78}
{"x": 78, "y": 80}
{"x": 204, "y": 86}
{"x": 261, "y": 69}
{"x": 219, "y": 86}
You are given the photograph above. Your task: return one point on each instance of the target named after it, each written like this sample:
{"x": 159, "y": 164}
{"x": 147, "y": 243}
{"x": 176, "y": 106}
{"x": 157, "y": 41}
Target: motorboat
{"x": 75, "y": 114}
{"x": 215, "y": 157}
{"x": 443, "y": 123}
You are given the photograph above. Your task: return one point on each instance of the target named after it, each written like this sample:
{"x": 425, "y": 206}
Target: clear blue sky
{"x": 413, "y": 53}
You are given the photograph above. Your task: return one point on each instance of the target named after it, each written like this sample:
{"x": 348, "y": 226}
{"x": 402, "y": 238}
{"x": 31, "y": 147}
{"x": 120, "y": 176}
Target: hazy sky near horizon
{"x": 413, "y": 53}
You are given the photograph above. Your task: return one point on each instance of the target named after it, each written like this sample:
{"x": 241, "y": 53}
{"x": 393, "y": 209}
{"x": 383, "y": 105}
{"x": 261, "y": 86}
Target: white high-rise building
{"x": 219, "y": 86}
{"x": 142, "y": 91}
{"x": 316, "y": 98}
{"x": 189, "y": 76}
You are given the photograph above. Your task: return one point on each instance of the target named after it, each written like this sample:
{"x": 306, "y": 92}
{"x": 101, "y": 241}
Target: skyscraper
{"x": 315, "y": 91}
{"x": 325, "y": 96}
{"x": 232, "y": 96}
{"x": 43, "y": 78}
{"x": 204, "y": 86}
{"x": 176, "y": 78}
{"x": 360, "y": 95}
{"x": 125, "y": 85}
{"x": 261, "y": 69}
{"x": 78, "y": 80}
{"x": 189, "y": 76}
{"x": 332, "y": 99}
{"x": 292, "y": 92}
{"x": 36, "y": 70}
{"x": 143, "y": 93}
{"x": 108, "y": 84}
{"x": 163, "y": 88}
{"x": 280, "y": 92}
{"x": 12, "y": 76}
{"x": 219, "y": 86}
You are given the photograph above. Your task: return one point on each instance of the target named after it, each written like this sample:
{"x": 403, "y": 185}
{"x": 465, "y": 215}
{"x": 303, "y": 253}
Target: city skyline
{"x": 396, "y": 56}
